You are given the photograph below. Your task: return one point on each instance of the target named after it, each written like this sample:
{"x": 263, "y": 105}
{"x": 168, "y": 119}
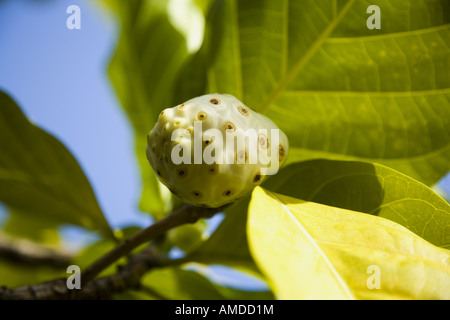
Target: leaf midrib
{"x": 317, "y": 248}
{"x": 283, "y": 83}
{"x": 399, "y": 228}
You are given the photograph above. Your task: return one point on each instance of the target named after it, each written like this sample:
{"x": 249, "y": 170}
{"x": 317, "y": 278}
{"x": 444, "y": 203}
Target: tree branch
{"x": 128, "y": 277}
{"x": 102, "y": 288}
{"x": 186, "y": 214}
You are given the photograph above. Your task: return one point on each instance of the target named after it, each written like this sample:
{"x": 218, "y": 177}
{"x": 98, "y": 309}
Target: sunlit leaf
{"x": 313, "y": 251}
{"x": 370, "y": 188}
{"x": 364, "y": 187}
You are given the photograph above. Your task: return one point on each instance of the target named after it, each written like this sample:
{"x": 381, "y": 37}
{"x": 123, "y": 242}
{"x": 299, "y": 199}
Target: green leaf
{"x": 313, "y": 251}
{"x": 18, "y": 274}
{"x": 228, "y": 244}
{"x": 32, "y": 227}
{"x": 180, "y": 284}
{"x": 143, "y": 69}
{"x": 370, "y": 188}
{"x": 358, "y": 186}
{"x": 336, "y": 88}
{"x": 39, "y": 176}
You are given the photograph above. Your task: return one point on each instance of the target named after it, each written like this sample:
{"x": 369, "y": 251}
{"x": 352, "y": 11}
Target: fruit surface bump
{"x": 191, "y": 151}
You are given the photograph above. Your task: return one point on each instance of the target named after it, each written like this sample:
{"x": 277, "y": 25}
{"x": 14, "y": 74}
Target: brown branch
{"x": 186, "y": 214}
{"x": 128, "y": 277}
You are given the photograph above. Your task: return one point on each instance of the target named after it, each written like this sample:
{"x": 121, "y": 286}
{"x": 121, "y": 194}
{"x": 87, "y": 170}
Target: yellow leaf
{"x": 313, "y": 251}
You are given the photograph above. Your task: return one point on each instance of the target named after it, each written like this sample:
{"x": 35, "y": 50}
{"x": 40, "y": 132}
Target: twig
{"x": 186, "y": 214}
{"x": 127, "y": 277}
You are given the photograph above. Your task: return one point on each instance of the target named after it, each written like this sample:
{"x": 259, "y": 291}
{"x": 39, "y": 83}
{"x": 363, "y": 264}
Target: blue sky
{"x": 58, "y": 76}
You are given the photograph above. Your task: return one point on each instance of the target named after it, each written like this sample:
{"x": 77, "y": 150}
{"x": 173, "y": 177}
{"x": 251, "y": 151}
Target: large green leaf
{"x": 143, "y": 69}
{"x": 338, "y": 89}
{"x": 364, "y": 187}
{"x": 313, "y": 251}
{"x": 39, "y": 176}
{"x": 369, "y": 188}
{"x": 228, "y": 244}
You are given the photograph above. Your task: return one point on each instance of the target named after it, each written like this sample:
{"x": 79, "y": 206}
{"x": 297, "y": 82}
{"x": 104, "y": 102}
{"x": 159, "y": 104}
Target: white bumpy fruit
{"x": 194, "y": 149}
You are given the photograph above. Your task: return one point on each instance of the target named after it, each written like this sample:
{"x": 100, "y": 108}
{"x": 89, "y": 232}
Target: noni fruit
{"x": 213, "y": 150}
